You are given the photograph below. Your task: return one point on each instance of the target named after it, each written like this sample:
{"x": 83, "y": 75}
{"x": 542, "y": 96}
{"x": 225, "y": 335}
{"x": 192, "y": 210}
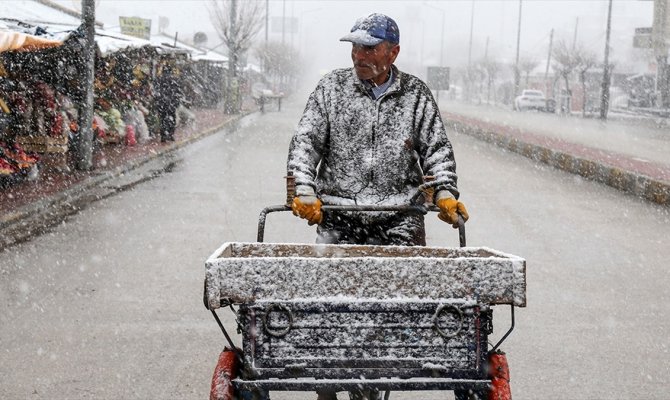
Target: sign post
{"x": 438, "y": 79}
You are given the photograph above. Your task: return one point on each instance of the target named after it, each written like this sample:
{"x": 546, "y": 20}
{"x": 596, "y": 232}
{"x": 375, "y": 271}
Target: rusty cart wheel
{"x": 222, "y": 381}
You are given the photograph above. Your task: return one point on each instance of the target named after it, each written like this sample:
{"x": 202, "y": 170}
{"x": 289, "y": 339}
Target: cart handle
{"x": 408, "y": 209}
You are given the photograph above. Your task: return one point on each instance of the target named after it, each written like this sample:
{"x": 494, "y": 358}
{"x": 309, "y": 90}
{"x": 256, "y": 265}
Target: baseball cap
{"x": 372, "y": 30}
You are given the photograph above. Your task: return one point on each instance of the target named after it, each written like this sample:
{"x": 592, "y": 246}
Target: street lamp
{"x": 517, "y": 75}
{"x": 437, "y": 92}
{"x": 302, "y": 24}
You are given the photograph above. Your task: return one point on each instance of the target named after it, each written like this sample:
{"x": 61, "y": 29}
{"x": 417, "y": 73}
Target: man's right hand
{"x": 307, "y": 207}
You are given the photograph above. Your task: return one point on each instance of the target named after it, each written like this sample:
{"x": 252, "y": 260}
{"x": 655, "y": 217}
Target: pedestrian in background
{"x": 167, "y": 98}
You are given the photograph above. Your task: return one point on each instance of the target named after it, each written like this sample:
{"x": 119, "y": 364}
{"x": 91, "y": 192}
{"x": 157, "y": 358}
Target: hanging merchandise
{"x": 15, "y": 163}
{"x": 130, "y": 136}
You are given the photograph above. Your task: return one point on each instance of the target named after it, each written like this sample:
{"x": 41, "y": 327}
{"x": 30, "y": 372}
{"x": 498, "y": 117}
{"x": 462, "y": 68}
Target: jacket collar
{"x": 396, "y": 86}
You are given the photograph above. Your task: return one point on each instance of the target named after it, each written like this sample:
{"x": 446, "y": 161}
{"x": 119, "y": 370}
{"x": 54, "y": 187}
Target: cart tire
{"x": 500, "y": 390}
{"x": 226, "y": 370}
{"x": 499, "y": 374}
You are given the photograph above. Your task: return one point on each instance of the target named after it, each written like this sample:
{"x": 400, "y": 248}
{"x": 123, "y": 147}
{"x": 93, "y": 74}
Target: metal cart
{"x": 361, "y": 318}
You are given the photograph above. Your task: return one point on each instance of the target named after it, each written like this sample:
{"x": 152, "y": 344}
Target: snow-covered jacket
{"x": 353, "y": 149}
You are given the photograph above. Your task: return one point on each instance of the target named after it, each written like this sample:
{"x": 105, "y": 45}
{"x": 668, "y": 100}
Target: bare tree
{"x": 565, "y": 64}
{"x": 237, "y": 23}
{"x": 281, "y": 61}
{"x": 527, "y": 65}
{"x": 477, "y": 77}
{"x": 585, "y": 61}
{"x": 492, "y": 69}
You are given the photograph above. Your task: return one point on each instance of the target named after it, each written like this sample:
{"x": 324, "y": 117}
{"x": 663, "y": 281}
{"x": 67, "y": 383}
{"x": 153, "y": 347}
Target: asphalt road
{"x": 108, "y": 305}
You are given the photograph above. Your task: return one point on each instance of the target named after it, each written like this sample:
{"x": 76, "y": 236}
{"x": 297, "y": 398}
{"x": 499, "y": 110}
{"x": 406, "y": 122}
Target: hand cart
{"x": 363, "y": 319}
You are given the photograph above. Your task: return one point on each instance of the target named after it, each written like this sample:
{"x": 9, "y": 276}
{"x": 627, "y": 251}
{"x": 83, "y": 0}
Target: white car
{"x": 530, "y": 99}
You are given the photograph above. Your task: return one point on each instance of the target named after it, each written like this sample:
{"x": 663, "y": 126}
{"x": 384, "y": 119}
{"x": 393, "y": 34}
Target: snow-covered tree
{"x": 237, "y": 23}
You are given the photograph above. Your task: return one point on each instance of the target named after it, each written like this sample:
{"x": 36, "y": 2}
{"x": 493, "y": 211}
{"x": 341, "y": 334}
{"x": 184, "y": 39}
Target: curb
{"x": 21, "y": 224}
{"x": 648, "y": 188}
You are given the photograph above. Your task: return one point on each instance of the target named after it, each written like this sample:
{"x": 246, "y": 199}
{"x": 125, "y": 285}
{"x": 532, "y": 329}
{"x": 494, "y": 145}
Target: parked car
{"x": 530, "y": 100}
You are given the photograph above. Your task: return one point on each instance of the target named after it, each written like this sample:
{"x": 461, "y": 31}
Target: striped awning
{"x": 17, "y": 41}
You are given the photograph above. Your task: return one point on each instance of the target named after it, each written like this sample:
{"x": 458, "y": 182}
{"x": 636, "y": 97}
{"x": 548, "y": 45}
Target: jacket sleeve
{"x": 309, "y": 140}
{"x": 436, "y": 153}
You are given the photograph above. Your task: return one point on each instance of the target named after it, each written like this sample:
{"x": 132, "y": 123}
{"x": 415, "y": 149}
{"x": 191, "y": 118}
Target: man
{"x": 368, "y": 135}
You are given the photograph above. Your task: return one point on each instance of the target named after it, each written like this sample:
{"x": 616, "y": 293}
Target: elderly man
{"x": 368, "y": 135}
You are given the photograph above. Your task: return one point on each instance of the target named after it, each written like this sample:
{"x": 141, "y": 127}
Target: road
{"x": 108, "y": 305}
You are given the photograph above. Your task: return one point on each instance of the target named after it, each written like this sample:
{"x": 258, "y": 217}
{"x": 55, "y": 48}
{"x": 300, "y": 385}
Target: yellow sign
{"x": 135, "y": 26}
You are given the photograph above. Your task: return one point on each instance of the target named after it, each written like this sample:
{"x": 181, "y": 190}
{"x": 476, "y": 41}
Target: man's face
{"x": 373, "y": 62}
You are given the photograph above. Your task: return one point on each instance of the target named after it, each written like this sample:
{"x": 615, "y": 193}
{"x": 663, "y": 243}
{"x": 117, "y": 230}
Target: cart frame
{"x": 270, "y": 360}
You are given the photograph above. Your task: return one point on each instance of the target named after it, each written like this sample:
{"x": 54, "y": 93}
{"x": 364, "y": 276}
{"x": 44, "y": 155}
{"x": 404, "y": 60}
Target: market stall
{"x": 26, "y": 105}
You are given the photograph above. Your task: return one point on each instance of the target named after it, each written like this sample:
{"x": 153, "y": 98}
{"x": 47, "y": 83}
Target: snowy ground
{"x": 109, "y": 304}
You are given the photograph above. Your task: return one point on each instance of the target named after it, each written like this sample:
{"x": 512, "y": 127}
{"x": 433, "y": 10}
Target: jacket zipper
{"x": 378, "y": 102}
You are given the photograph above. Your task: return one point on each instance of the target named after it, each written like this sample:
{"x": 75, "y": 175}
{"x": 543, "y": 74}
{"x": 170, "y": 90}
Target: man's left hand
{"x": 450, "y": 209}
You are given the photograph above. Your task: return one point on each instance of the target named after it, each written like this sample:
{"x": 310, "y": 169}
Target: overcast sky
{"x": 322, "y": 23}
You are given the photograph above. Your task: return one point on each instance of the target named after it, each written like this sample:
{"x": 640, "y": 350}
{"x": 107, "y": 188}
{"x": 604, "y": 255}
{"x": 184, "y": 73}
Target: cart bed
{"x": 249, "y": 272}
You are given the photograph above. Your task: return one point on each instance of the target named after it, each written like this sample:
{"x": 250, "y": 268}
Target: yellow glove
{"x": 307, "y": 207}
{"x": 450, "y": 208}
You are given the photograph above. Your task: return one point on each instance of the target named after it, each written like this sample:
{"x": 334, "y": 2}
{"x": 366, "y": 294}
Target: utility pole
{"x": 292, "y": 22}
{"x": 437, "y": 91}
{"x": 267, "y": 23}
{"x": 283, "y": 22}
{"x": 546, "y": 71}
{"x": 660, "y": 38}
{"x": 83, "y": 142}
{"x": 574, "y": 39}
{"x": 488, "y": 71}
{"x": 517, "y": 75}
{"x": 605, "y": 94}
{"x": 472, "y": 23}
{"x": 231, "y": 86}
{"x": 469, "y": 86}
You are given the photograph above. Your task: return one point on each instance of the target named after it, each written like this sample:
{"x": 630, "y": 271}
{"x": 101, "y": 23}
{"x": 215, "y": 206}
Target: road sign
{"x": 438, "y": 78}
{"x": 642, "y": 38}
{"x": 286, "y": 25}
{"x": 135, "y": 26}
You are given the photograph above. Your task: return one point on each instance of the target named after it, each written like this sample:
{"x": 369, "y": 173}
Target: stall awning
{"x": 17, "y": 41}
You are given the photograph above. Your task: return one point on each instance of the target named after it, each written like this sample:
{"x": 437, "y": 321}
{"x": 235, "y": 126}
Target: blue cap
{"x": 372, "y": 30}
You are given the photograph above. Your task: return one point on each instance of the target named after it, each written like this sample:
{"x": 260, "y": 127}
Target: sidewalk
{"x": 29, "y": 207}
{"x": 630, "y": 155}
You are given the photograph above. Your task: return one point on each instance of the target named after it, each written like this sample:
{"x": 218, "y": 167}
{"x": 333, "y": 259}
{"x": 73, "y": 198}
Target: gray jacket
{"x": 353, "y": 149}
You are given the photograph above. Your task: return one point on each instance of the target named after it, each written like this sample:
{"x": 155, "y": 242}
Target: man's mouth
{"x": 363, "y": 66}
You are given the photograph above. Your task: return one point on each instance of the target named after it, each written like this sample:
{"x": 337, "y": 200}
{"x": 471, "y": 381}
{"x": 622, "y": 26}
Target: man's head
{"x": 375, "y": 45}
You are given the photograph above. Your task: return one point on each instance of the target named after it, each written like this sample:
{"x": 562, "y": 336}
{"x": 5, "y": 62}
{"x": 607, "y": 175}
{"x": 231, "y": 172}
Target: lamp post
{"x": 267, "y": 18}
{"x": 605, "y": 94}
{"x": 437, "y": 92}
{"x": 301, "y": 25}
{"x": 517, "y": 75}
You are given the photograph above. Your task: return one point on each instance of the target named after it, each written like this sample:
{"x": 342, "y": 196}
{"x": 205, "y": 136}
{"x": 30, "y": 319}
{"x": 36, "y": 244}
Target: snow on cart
{"x": 348, "y": 317}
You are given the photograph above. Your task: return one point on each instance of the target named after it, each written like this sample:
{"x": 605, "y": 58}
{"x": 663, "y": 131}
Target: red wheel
{"x": 499, "y": 373}
{"x": 222, "y": 382}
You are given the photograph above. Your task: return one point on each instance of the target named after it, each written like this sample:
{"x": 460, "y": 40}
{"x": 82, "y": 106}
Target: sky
{"x": 322, "y": 23}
